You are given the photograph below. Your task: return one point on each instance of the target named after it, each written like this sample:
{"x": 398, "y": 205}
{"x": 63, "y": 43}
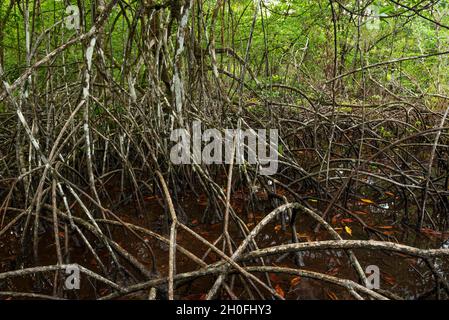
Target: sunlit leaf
{"x": 348, "y": 230}
{"x": 367, "y": 201}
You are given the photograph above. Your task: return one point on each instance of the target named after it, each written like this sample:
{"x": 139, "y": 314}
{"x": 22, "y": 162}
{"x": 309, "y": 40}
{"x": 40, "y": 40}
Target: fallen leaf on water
{"x": 335, "y": 218}
{"x": 295, "y": 281}
{"x": 204, "y": 234}
{"x": 274, "y": 278}
{"x": 430, "y": 232}
{"x": 389, "y": 279}
{"x": 262, "y": 195}
{"x": 279, "y": 291}
{"x": 333, "y": 271}
{"x": 282, "y": 265}
{"x": 367, "y": 201}
{"x": 348, "y": 230}
{"x": 104, "y": 291}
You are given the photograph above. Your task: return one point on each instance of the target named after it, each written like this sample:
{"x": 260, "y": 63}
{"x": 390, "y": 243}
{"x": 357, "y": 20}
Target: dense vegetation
{"x": 358, "y": 90}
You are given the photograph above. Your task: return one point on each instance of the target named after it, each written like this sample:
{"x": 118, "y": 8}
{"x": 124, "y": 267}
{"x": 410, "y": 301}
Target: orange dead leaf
{"x": 335, "y": 219}
{"x": 204, "y": 234}
{"x": 198, "y": 296}
{"x": 103, "y": 291}
{"x": 295, "y": 281}
{"x": 389, "y": 279}
{"x": 304, "y": 236}
{"x": 279, "y": 291}
{"x": 150, "y": 198}
{"x": 274, "y": 278}
{"x": 333, "y": 271}
{"x": 430, "y": 232}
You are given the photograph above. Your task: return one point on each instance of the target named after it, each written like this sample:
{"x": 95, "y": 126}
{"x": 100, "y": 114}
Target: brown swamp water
{"x": 408, "y": 277}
